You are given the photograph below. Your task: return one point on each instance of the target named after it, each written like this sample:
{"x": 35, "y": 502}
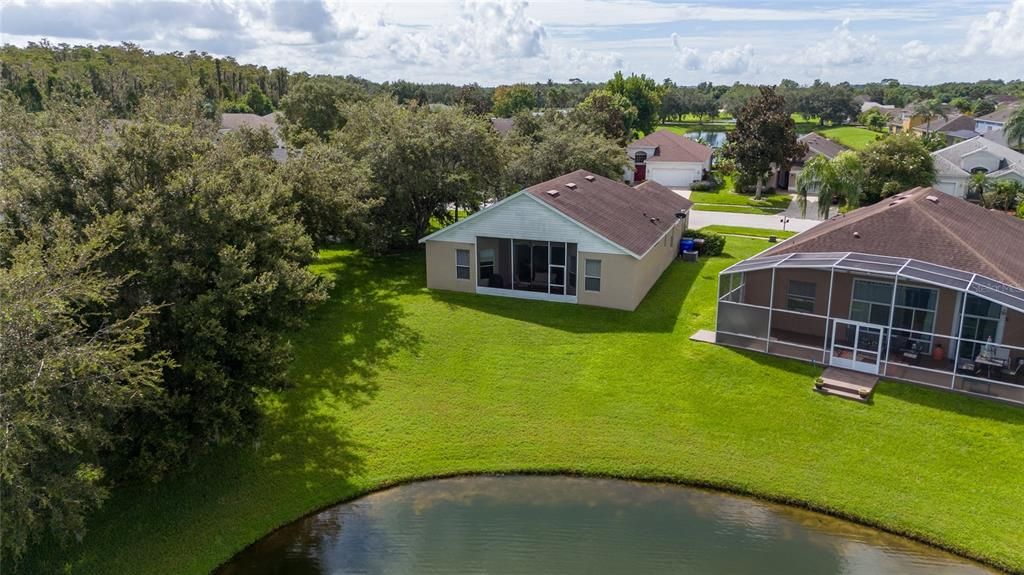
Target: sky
{"x": 491, "y": 43}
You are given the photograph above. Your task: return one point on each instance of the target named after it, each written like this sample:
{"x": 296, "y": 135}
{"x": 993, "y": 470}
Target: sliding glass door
{"x": 536, "y": 266}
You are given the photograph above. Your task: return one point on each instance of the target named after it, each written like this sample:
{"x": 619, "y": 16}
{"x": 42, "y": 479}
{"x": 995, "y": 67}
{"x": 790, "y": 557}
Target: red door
{"x": 640, "y": 174}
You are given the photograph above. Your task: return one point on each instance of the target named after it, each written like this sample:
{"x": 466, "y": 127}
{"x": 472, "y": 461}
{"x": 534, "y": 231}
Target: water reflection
{"x": 713, "y": 139}
{"x": 572, "y": 525}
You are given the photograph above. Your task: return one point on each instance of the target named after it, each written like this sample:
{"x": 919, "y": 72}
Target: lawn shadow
{"x": 951, "y": 401}
{"x": 658, "y": 312}
{"x": 352, "y": 337}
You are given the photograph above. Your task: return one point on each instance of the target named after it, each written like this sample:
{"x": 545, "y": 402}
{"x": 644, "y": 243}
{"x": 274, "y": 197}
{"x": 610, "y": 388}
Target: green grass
{"x": 764, "y": 211}
{"x": 851, "y": 136}
{"x": 743, "y": 231}
{"x": 394, "y": 382}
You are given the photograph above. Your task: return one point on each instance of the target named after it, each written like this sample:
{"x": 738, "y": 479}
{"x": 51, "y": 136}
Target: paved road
{"x": 699, "y": 219}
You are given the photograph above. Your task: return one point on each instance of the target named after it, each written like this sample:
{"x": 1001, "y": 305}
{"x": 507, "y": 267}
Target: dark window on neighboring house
{"x": 800, "y": 296}
{"x": 640, "y": 157}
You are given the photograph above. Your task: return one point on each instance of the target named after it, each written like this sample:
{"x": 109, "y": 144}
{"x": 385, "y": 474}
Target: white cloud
{"x": 733, "y": 60}
{"x": 998, "y": 33}
{"x": 842, "y": 48}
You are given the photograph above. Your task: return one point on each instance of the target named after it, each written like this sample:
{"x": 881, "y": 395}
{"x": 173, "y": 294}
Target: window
{"x": 486, "y": 263}
{"x": 915, "y": 311}
{"x": 871, "y": 302}
{"x": 981, "y": 322}
{"x": 462, "y": 264}
{"x": 800, "y": 296}
{"x": 640, "y": 157}
{"x": 592, "y": 275}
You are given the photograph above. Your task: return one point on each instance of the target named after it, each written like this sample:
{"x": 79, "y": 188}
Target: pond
{"x": 527, "y": 524}
{"x": 714, "y": 139}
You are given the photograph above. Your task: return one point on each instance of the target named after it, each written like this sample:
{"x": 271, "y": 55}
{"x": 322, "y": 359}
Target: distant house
{"x": 503, "y": 125}
{"x": 996, "y": 120}
{"x": 955, "y": 124}
{"x": 579, "y": 238}
{"x": 817, "y": 145}
{"x": 233, "y": 122}
{"x": 669, "y": 159}
{"x": 955, "y": 164}
{"x": 920, "y": 287}
{"x": 869, "y": 105}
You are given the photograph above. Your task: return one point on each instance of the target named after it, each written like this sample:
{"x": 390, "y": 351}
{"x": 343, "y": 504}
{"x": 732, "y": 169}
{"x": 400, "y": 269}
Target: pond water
{"x": 522, "y": 524}
{"x": 713, "y": 139}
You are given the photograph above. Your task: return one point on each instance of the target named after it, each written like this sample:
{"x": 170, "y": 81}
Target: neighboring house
{"x": 882, "y": 288}
{"x": 669, "y": 159}
{"x": 960, "y": 123}
{"x": 996, "y": 120}
{"x": 233, "y": 121}
{"x": 960, "y": 135}
{"x": 502, "y": 125}
{"x": 955, "y": 164}
{"x": 869, "y": 105}
{"x": 903, "y": 120}
{"x": 817, "y": 145}
{"x": 579, "y": 238}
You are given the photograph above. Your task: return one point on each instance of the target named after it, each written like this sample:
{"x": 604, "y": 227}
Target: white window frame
{"x": 887, "y": 304}
{"x": 922, "y": 337}
{"x": 467, "y": 266}
{"x": 587, "y": 276}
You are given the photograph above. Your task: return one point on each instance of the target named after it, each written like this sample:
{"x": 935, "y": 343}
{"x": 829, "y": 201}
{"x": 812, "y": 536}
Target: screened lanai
{"x": 896, "y": 317}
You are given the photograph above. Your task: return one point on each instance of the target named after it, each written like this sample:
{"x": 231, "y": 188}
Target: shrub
{"x": 702, "y": 186}
{"x": 714, "y": 244}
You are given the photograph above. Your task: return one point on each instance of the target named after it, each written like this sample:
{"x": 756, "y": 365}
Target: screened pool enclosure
{"x": 895, "y": 317}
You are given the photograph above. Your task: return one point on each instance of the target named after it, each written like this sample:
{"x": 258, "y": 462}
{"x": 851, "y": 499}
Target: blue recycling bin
{"x": 686, "y": 245}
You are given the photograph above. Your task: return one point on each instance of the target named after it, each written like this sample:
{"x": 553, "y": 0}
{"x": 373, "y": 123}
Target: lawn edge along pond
{"x": 395, "y": 383}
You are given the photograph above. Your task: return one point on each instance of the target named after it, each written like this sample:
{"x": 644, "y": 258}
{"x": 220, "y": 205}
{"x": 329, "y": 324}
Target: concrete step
{"x": 841, "y": 393}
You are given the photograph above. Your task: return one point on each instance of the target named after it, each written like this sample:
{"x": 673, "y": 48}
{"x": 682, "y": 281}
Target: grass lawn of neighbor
{"x": 851, "y": 136}
{"x": 393, "y": 382}
{"x": 749, "y": 232}
{"x": 725, "y": 200}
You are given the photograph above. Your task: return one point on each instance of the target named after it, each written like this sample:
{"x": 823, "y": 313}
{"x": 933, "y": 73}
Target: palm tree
{"x": 930, "y": 109}
{"x": 1014, "y": 129}
{"x": 840, "y": 179}
{"x": 977, "y": 185}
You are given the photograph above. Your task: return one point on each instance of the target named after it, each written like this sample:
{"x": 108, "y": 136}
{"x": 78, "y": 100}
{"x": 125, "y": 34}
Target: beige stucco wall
{"x": 441, "y": 266}
{"x": 625, "y": 280}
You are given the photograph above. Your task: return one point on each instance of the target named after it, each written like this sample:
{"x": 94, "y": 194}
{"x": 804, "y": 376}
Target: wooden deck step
{"x": 846, "y": 383}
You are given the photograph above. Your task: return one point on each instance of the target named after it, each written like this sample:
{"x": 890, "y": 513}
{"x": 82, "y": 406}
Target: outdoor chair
{"x": 1016, "y": 371}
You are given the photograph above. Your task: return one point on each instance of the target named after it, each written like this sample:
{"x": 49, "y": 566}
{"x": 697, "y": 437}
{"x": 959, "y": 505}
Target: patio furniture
{"x": 1017, "y": 370}
{"x": 989, "y": 361}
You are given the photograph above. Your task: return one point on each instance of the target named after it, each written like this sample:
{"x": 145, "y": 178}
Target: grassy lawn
{"x": 742, "y": 231}
{"x": 851, "y": 136}
{"x": 394, "y": 382}
{"x": 733, "y": 209}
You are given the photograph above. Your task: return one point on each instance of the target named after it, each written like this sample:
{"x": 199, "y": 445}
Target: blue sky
{"x": 491, "y": 43}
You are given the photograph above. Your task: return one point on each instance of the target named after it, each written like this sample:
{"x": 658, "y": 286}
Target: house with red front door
{"x": 667, "y": 158}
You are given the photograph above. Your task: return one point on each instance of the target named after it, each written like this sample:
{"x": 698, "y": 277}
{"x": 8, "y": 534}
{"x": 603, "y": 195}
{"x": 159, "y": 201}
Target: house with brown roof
{"x": 668, "y": 158}
{"x": 817, "y": 145}
{"x": 579, "y": 238}
{"x": 921, "y": 287}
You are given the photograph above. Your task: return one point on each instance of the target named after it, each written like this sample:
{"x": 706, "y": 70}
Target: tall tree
{"x": 839, "y": 180}
{"x": 893, "y": 165}
{"x": 510, "y": 100}
{"x": 424, "y": 163}
{"x": 315, "y": 105}
{"x": 765, "y": 136}
{"x": 67, "y": 378}
{"x": 645, "y": 95}
{"x": 607, "y": 113}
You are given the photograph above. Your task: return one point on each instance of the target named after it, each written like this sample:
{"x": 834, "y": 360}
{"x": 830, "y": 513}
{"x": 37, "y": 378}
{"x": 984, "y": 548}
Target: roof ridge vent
{"x": 588, "y": 178}
{"x": 552, "y": 193}
{"x": 571, "y": 185}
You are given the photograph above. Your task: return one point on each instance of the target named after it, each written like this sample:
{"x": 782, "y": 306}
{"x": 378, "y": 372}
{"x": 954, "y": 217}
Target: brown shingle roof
{"x": 948, "y": 231}
{"x": 818, "y": 144}
{"x": 671, "y": 147}
{"x": 633, "y": 218}
{"x": 1001, "y": 114}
